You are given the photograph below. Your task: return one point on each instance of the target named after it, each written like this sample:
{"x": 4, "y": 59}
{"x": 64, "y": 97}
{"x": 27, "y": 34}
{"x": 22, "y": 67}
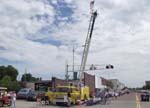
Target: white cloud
{"x": 69, "y": 1}
{"x": 54, "y": 2}
{"x": 19, "y": 16}
{"x": 121, "y": 36}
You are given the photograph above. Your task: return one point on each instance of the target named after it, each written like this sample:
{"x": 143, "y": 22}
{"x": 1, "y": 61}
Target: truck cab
{"x": 76, "y": 93}
{"x": 50, "y": 94}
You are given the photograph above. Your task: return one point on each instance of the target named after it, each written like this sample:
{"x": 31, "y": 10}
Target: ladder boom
{"x": 87, "y": 45}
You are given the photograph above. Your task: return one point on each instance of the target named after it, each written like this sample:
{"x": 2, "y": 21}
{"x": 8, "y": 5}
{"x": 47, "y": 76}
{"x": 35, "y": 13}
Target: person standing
{"x": 13, "y": 99}
{"x": 0, "y": 94}
{"x": 68, "y": 98}
{"x": 39, "y": 98}
{"x": 106, "y": 96}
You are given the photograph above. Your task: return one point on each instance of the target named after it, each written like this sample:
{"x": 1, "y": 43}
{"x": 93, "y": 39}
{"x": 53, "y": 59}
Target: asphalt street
{"x": 131, "y": 100}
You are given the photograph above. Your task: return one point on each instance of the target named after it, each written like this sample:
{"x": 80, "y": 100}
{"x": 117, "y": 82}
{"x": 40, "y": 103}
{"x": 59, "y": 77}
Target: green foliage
{"x": 28, "y": 77}
{"x": 109, "y": 84}
{"x": 8, "y": 71}
{"x": 2, "y": 72}
{"x": 12, "y": 72}
{"x": 146, "y": 87}
{"x": 8, "y": 78}
{"x": 15, "y": 86}
{"x": 6, "y": 81}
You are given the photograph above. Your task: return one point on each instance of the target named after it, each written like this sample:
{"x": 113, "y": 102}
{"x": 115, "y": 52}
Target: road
{"x": 131, "y": 100}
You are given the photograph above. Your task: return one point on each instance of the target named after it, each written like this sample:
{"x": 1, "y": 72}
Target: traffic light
{"x": 92, "y": 67}
{"x": 109, "y": 66}
{"x": 75, "y": 75}
{"x": 112, "y": 66}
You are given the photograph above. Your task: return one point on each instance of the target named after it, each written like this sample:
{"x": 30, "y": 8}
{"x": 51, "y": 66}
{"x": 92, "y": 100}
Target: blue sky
{"x": 39, "y": 35}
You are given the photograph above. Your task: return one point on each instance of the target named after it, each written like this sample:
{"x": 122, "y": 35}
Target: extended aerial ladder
{"x": 87, "y": 42}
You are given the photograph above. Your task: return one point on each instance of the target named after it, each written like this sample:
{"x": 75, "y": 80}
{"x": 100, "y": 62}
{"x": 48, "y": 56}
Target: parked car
{"x": 23, "y": 93}
{"x": 32, "y": 96}
{"x": 111, "y": 94}
{"x": 145, "y": 97}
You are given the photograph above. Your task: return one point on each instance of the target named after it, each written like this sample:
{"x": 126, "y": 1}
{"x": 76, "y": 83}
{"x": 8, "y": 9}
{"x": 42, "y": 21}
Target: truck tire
{"x": 1, "y": 103}
{"x": 75, "y": 101}
{"x": 9, "y": 104}
{"x": 85, "y": 97}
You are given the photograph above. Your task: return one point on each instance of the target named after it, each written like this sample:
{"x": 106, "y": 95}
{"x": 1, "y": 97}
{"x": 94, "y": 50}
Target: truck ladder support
{"x": 87, "y": 45}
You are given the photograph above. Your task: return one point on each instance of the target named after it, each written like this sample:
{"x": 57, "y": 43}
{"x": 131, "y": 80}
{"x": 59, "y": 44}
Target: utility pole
{"x": 67, "y": 75}
{"x": 73, "y": 50}
{"x": 25, "y": 75}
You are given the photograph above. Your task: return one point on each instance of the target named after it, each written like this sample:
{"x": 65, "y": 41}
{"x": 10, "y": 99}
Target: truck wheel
{"x": 1, "y": 103}
{"x": 9, "y": 104}
{"x": 85, "y": 97}
{"x": 75, "y": 101}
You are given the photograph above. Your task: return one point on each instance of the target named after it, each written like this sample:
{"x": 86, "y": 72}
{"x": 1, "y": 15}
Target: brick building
{"x": 42, "y": 85}
{"x": 104, "y": 81}
{"x": 56, "y": 82}
{"x": 49, "y": 83}
{"x": 89, "y": 80}
{"x": 147, "y": 83}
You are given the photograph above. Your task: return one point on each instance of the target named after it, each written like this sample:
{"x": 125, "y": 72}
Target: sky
{"x": 39, "y": 35}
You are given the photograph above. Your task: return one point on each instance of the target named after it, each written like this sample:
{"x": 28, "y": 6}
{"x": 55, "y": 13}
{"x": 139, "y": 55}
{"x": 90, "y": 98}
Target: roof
{"x": 67, "y": 86}
{"x": 43, "y": 81}
{"x": 3, "y": 88}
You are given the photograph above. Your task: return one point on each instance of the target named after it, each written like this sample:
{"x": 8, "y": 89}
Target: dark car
{"x": 145, "y": 96}
{"x": 32, "y": 96}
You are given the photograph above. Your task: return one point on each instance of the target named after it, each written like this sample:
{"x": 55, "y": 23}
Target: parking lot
{"x": 126, "y": 101}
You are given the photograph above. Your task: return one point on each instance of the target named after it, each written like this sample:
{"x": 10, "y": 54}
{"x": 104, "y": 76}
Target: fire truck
{"x": 60, "y": 94}
{"x": 81, "y": 91}
{"x": 50, "y": 95}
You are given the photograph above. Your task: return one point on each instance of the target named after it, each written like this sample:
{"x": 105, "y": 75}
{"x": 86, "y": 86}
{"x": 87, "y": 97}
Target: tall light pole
{"x": 67, "y": 75}
{"x": 25, "y": 74}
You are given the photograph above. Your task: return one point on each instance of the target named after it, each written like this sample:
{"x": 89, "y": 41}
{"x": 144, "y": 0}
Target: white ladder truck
{"x": 87, "y": 42}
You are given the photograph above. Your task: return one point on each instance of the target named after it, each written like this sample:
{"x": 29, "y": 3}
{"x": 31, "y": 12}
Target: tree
{"x": 8, "y": 71}
{"x": 15, "y": 86}
{"x": 28, "y": 77}
{"x": 12, "y": 72}
{"x": 8, "y": 78}
{"x": 6, "y": 81}
{"x": 109, "y": 84}
{"x": 146, "y": 87}
{"x": 2, "y": 72}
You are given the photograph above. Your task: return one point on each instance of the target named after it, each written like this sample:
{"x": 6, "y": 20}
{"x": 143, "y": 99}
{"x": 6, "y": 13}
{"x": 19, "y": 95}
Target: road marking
{"x": 138, "y": 105}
